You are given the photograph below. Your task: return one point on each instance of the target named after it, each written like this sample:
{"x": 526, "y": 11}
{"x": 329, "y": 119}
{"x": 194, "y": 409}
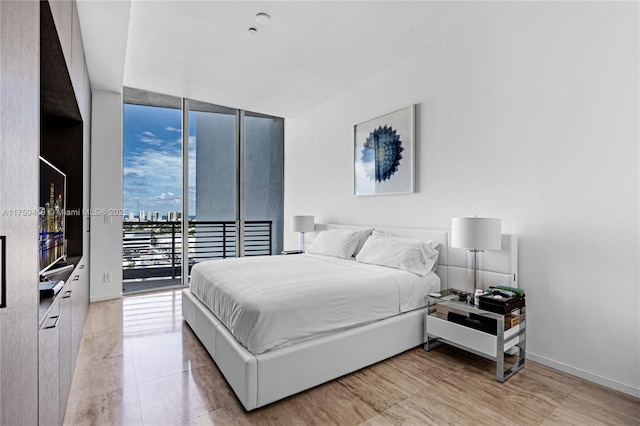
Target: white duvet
{"x": 273, "y": 301}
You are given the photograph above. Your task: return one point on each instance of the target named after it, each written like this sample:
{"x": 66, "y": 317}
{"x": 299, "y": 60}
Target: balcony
{"x": 151, "y": 251}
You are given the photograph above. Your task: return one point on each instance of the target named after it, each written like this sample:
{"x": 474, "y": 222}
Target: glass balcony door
{"x": 262, "y": 195}
{"x": 210, "y": 182}
{"x": 218, "y": 187}
{"x": 152, "y": 178}
{"x": 234, "y": 182}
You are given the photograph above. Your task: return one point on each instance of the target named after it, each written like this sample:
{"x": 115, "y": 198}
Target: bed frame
{"x": 261, "y": 379}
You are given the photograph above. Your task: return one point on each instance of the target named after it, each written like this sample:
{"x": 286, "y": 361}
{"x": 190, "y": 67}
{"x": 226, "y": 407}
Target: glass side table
{"x": 439, "y": 329}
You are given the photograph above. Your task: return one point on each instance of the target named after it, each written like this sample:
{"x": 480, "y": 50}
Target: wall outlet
{"x": 107, "y": 277}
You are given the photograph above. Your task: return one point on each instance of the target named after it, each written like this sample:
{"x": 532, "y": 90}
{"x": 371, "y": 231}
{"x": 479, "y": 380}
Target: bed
{"x": 267, "y": 356}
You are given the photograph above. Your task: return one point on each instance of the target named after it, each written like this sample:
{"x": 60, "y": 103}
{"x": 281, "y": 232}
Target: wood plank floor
{"x": 140, "y": 364}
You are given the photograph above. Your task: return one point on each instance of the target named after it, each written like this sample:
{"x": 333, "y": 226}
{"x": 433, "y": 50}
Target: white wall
{"x": 532, "y": 117}
{"x": 106, "y": 195}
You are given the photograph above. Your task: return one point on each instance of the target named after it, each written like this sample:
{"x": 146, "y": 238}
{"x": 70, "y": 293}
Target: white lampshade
{"x": 302, "y": 223}
{"x": 480, "y": 233}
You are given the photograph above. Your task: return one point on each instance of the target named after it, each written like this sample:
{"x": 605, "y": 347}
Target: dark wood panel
{"x": 62, "y": 127}
{"x": 58, "y": 96}
{"x": 61, "y": 145}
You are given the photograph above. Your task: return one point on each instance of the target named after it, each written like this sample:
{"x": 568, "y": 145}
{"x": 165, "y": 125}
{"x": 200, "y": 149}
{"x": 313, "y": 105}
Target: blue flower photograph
{"x": 383, "y": 154}
{"x": 383, "y": 147}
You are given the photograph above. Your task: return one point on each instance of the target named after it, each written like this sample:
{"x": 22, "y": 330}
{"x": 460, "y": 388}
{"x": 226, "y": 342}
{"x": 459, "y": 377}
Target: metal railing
{"x": 153, "y": 249}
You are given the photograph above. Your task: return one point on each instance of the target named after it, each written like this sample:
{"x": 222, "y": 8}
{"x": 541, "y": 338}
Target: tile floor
{"x": 140, "y": 364}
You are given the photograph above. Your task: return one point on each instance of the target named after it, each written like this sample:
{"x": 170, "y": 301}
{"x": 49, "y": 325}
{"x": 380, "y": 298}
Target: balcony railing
{"x": 153, "y": 249}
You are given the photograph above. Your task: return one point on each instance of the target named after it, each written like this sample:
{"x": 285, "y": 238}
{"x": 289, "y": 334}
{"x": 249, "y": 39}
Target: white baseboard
{"x": 629, "y": 390}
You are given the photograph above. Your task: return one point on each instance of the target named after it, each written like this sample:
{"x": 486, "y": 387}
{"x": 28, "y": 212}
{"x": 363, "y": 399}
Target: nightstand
{"x": 443, "y": 323}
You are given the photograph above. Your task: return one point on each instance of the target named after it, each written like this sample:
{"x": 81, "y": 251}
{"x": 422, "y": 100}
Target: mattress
{"x": 269, "y": 302}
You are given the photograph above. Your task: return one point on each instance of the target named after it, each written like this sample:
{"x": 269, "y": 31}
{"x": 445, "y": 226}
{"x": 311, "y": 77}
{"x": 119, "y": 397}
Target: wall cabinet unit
{"x": 79, "y": 302}
{"x": 65, "y": 100}
{"x": 59, "y": 339}
{"x": 19, "y": 148}
{"x": 36, "y": 98}
{"x": 64, "y": 336}
{"x": 49, "y": 367}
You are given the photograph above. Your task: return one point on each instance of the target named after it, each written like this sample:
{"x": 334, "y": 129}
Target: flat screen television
{"x": 52, "y": 204}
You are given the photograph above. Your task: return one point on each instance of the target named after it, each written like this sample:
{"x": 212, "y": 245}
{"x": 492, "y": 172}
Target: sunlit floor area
{"x": 139, "y": 363}
{"x": 155, "y": 284}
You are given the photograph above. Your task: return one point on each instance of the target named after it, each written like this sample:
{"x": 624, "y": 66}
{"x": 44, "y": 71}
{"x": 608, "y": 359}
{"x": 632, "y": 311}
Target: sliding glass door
{"x": 235, "y": 182}
{"x": 199, "y": 173}
{"x": 262, "y": 183}
{"x": 152, "y": 192}
{"x": 211, "y": 177}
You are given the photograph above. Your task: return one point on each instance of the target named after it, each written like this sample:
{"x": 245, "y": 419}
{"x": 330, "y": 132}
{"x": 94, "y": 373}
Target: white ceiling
{"x": 309, "y": 52}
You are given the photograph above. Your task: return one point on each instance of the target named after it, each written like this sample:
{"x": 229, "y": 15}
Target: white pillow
{"x": 363, "y": 234}
{"x": 413, "y": 256}
{"x": 433, "y": 244}
{"x": 335, "y": 242}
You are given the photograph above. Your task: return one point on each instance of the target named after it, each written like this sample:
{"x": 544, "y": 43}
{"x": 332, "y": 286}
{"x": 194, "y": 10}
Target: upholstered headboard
{"x": 496, "y": 267}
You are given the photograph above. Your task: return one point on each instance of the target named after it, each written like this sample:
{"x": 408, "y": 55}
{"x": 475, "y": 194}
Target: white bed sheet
{"x": 274, "y": 301}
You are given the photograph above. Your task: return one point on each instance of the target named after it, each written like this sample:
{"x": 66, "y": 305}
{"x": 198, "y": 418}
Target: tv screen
{"x": 53, "y": 184}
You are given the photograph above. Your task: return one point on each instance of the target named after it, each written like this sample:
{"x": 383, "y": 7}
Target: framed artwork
{"x": 384, "y": 154}
{"x": 3, "y": 272}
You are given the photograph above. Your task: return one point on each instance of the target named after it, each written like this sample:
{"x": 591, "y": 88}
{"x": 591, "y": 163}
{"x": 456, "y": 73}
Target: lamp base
{"x": 473, "y": 259}
{"x": 303, "y": 242}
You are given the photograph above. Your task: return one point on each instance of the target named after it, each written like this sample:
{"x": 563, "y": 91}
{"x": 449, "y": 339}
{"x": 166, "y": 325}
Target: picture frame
{"x": 3, "y": 272}
{"x": 384, "y": 154}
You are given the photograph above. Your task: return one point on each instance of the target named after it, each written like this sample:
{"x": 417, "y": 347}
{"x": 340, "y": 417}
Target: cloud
{"x": 136, "y": 191}
{"x": 158, "y": 177}
{"x": 151, "y": 141}
{"x": 153, "y": 176}
{"x": 167, "y": 199}
{"x": 150, "y": 138}
{"x": 173, "y": 129}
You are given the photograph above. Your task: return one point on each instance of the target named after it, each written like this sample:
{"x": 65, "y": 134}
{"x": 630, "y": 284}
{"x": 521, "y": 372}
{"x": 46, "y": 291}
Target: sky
{"x": 153, "y": 159}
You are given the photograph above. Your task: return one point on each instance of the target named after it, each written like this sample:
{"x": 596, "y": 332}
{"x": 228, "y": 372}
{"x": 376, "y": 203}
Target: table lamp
{"x": 303, "y": 224}
{"x": 476, "y": 234}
